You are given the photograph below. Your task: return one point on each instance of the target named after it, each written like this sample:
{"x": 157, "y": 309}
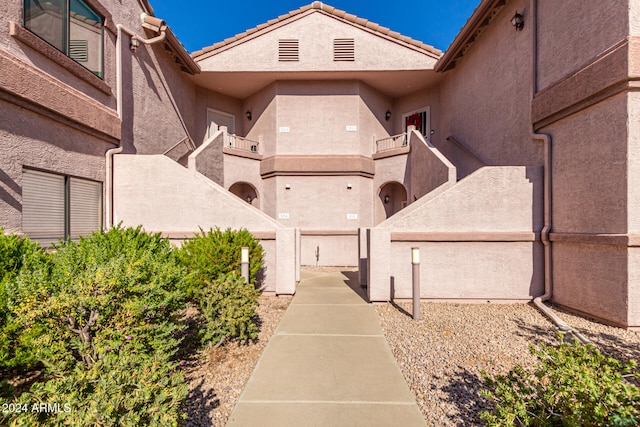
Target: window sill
{"x": 27, "y": 37}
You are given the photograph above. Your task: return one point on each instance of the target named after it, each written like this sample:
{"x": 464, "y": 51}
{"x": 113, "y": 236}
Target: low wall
{"x": 162, "y": 196}
{"x": 429, "y": 167}
{"x": 479, "y": 240}
{"x": 335, "y": 248}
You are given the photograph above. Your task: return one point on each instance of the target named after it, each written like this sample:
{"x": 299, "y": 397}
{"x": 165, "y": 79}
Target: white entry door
{"x": 216, "y": 118}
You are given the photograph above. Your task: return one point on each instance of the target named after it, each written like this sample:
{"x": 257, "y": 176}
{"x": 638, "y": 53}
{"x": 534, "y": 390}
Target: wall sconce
{"x": 349, "y": 186}
{"x": 249, "y": 199}
{"x": 287, "y": 187}
{"x": 248, "y": 114}
{"x": 387, "y": 115}
{"x": 518, "y": 21}
{"x": 134, "y": 43}
{"x": 386, "y": 200}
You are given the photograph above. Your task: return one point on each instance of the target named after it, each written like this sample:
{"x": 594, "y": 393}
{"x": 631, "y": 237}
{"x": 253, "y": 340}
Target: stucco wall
{"x": 29, "y": 140}
{"x": 469, "y": 270}
{"x": 595, "y": 28}
{"x": 429, "y": 168}
{"x": 592, "y": 279}
{"x": 492, "y": 199}
{"x": 589, "y": 153}
{"x": 241, "y": 169}
{"x": 477, "y": 240}
{"x": 334, "y": 250}
{"x": 207, "y": 159}
{"x": 157, "y": 193}
{"x": 633, "y": 163}
{"x": 205, "y": 99}
{"x": 263, "y": 107}
{"x": 323, "y": 202}
{"x": 485, "y": 99}
{"x": 316, "y": 49}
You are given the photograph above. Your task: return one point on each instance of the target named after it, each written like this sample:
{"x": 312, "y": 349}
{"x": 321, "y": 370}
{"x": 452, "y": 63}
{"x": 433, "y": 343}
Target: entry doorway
{"x": 216, "y": 118}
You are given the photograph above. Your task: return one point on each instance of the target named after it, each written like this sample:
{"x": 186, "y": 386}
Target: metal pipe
{"x": 547, "y": 199}
{"x": 111, "y": 152}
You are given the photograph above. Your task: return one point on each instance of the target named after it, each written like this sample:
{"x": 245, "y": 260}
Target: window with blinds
{"x": 344, "y": 50}
{"x": 59, "y": 207}
{"x": 288, "y": 50}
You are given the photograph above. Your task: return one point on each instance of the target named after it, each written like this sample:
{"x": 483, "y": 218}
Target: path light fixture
{"x": 518, "y": 21}
{"x": 248, "y": 114}
{"x": 387, "y": 115}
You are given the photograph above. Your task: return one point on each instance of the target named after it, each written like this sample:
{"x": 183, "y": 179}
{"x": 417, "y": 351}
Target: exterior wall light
{"x": 133, "y": 45}
{"x": 386, "y": 199}
{"x": 387, "y": 115}
{"x": 249, "y": 199}
{"x": 248, "y": 114}
{"x": 518, "y": 21}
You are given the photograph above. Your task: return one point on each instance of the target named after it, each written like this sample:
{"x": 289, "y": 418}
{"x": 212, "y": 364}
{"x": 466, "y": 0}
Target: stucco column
{"x": 378, "y": 253}
{"x": 285, "y": 261}
{"x": 362, "y": 257}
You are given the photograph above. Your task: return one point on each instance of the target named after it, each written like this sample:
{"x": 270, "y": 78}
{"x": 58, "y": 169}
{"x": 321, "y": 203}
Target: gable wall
{"x": 316, "y": 32}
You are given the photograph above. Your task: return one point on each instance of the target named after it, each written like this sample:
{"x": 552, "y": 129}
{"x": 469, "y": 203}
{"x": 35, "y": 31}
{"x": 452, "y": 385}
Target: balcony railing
{"x": 396, "y": 141}
{"x": 240, "y": 143}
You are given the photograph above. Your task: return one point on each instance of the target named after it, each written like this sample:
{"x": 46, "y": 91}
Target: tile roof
{"x": 372, "y": 26}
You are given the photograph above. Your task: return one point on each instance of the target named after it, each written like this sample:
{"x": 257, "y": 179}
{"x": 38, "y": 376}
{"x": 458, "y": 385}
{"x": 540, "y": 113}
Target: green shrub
{"x": 572, "y": 385}
{"x": 103, "y": 320}
{"x": 120, "y": 389}
{"x": 16, "y": 253}
{"x": 228, "y": 305}
{"x": 216, "y": 252}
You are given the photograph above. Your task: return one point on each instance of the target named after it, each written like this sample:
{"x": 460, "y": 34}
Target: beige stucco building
{"x": 510, "y": 160}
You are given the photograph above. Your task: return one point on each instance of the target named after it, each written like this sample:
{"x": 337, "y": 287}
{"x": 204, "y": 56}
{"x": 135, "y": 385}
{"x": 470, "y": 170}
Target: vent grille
{"x": 79, "y": 50}
{"x": 288, "y": 50}
{"x": 343, "y": 50}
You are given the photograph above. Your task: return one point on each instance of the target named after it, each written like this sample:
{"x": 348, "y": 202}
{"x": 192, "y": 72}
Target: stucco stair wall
{"x": 162, "y": 196}
{"x": 479, "y": 240}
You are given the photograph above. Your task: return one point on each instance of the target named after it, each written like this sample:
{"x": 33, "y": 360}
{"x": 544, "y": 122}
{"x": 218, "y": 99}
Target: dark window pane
{"x": 46, "y": 19}
{"x": 85, "y": 38}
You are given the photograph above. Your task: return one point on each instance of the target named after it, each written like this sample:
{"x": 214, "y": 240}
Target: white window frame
{"x": 426, "y": 130}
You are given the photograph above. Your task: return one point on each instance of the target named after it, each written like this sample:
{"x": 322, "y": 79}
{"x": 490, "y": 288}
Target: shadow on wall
{"x": 535, "y": 176}
{"x": 393, "y": 197}
{"x": 5, "y": 196}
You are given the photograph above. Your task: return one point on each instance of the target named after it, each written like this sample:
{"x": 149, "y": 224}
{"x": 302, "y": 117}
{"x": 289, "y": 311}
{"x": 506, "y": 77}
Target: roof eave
{"x": 469, "y": 33}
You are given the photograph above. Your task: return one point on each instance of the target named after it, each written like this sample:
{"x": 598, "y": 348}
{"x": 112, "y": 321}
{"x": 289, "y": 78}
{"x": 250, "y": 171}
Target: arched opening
{"x": 246, "y": 192}
{"x": 393, "y": 197}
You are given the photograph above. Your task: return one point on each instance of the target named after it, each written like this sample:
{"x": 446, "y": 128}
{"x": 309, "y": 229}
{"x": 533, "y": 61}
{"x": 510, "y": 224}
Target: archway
{"x": 246, "y": 192}
{"x": 393, "y": 197}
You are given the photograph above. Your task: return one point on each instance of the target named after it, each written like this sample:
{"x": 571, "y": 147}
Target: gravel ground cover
{"x": 217, "y": 376}
{"x": 442, "y": 355}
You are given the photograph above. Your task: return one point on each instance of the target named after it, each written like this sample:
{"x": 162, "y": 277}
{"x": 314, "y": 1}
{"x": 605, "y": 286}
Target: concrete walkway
{"x": 328, "y": 364}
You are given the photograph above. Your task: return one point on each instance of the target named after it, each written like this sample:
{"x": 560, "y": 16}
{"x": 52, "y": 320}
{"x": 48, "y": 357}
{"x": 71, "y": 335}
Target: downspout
{"x": 158, "y": 25}
{"x": 544, "y": 234}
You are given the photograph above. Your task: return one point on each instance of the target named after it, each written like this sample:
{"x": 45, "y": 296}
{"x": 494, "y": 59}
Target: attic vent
{"x": 288, "y": 50}
{"x": 343, "y": 50}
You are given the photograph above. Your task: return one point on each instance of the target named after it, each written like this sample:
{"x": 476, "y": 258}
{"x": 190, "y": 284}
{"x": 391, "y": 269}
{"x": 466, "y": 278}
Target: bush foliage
{"x": 16, "y": 252}
{"x": 102, "y": 317}
{"x": 572, "y": 385}
{"x": 97, "y": 324}
{"x": 215, "y": 253}
{"x": 228, "y": 305}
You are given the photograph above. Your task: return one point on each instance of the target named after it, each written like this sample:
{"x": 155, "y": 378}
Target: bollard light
{"x": 244, "y": 263}
{"x": 415, "y": 282}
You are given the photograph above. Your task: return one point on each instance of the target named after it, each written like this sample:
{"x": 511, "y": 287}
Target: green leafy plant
{"x": 228, "y": 305}
{"x": 215, "y": 252}
{"x": 572, "y": 385}
{"x": 16, "y": 253}
{"x": 103, "y": 319}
